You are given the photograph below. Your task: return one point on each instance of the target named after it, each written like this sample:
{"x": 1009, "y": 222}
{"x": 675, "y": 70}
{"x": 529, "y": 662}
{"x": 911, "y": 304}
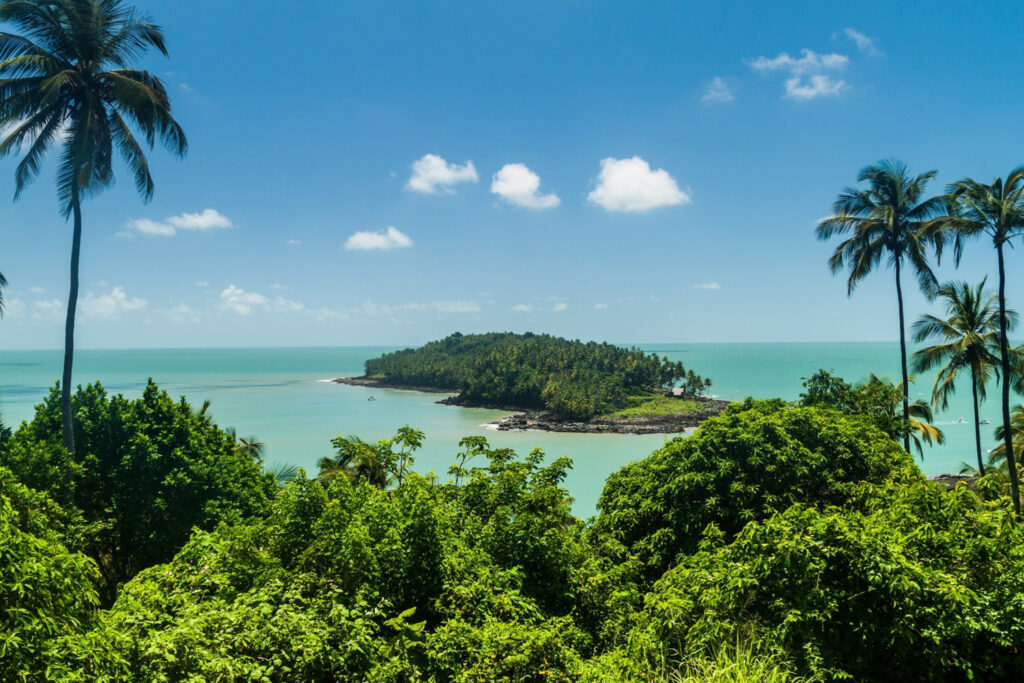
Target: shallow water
{"x": 278, "y": 395}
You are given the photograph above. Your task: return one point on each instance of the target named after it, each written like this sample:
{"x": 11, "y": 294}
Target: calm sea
{"x": 278, "y": 395}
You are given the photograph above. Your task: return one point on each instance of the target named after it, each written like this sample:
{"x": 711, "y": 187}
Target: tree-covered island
{"x": 554, "y": 383}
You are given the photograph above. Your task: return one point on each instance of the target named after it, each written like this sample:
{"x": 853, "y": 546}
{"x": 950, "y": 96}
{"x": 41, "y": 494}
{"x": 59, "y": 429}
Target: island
{"x": 551, "y": 383}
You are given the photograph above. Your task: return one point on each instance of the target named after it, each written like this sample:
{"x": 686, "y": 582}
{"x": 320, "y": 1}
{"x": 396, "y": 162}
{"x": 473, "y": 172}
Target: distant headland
{"x": 550, "y": 383}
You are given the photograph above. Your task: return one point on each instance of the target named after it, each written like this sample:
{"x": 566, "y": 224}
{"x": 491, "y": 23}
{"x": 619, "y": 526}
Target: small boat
{"x": 371, "y": 399}
{"x": 961, "y": 421}
{"x": 983, "y": 422}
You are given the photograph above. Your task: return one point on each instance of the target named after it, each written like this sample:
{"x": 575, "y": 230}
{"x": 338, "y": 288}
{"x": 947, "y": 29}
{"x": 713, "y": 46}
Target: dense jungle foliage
{"x": 570, "y": 378}
{"x": 778, "y": 543}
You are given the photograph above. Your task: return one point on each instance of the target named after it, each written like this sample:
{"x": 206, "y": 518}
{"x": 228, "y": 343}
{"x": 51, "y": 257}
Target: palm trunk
{"x": 977, "y": 425}
{"x": 1004, "y": 357}
{"x": 903, "y": 358}
{"x": 69, "y": 328}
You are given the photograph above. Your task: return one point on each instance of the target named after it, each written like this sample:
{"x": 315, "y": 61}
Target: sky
{"x": 378, "y": 173}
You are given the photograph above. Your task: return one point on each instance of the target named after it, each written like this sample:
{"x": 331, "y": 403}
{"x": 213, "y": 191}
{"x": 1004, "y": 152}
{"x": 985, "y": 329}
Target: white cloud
{"x": 278, "y": 285}
{"x": 292, "y": 243}
{"x": 182, "y": 313}
{"x": 808, "y": 77}
{"x": 559, "y": 307}
{"x": 14, "y": 308}
{"x": 432, "y": 172}
{"x": 631, "y": 185}
{"x": 371, "y": 308}
{"x": 708, "y": 285}
{"x": 148, "y": 227}
{"x": 48, "y": 309}
{"x": 517, "y": 184}
{"x": 718, "y": 91}
{"x": 522, "y": 308}
{"x": 864, "y": 43}
{"x": 367, "y": 240}
{"x": 110, "y": 304}
{"x": 37, "y": 289}
{"x": 207, "y": 219}
{"x": 241, "y": 301}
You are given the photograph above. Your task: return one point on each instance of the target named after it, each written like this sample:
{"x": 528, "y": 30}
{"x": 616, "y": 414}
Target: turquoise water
{"x": 278, "y": 396}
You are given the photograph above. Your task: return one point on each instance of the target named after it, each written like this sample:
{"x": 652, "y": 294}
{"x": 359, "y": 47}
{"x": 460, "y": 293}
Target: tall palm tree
{"x": 892, "y": 219}
{"x": 968, "y": 340}
{"x": 68, "y": 81}
{"x": 3, "y": 284}
{"x": 996, "y": 210}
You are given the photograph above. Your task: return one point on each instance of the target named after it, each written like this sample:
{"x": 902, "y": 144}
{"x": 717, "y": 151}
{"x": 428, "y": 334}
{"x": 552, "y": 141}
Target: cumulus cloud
{"x": 517, "y": 184}
{"x": 432, "y": 173}
{"x": 48, "y": 309}
{"x": 631, "y": 185}
{"x": 36, "y": 289}
{"x": 203, "y": 221}
{"x": 14, "y": 308}
{"x": 718, "y": 91}
{"x": 244, "y": 303}
{"x": 522, "y": 308}
{"x": 864, "y": 43}
{"x": 367, "y": 240}
{"x": 559, "y": 307}
{"x": 241, "y": 301}
{"x": 708, "y": 285}
{"x": 110, "y": 304}
{"x": 808, "y": 74}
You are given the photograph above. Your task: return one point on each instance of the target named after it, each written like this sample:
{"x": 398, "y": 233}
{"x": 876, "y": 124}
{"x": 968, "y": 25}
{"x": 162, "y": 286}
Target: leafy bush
{"x": 148, "y": 470}
{"x": 921, "y": 585}
{"x": 755, "y": 459}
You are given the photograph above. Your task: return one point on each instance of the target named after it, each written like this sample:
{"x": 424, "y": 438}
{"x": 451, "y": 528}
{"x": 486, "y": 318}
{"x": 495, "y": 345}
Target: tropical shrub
{"x": 921, "y": 584}
{"x": 148, "y": 470}
{"x": 756, "y": 459}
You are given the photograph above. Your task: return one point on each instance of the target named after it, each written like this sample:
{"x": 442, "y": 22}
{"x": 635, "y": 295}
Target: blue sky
{"x": 641, "y": 171}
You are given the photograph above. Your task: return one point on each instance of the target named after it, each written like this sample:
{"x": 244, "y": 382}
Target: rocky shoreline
{"x": 549, "y": 422}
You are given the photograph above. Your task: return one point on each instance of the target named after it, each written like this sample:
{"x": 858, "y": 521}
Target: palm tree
{"x": 877, "y": 397}
{"x": 1016, "y": 434}
{"x": 890, "y": 218}
{"x": 356, "y": 460}
{"x": 3, "y": 284}
{"x": 68, "y": 81}
{"x": 996, "y": 210}
{"x": 968, "y": 340}
{"x": 251, "y": 446}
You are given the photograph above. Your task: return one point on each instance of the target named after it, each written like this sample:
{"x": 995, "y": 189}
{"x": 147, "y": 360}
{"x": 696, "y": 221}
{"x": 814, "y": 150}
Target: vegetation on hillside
{"x": 781, "y": 542}
{"x": 570, "y": 378}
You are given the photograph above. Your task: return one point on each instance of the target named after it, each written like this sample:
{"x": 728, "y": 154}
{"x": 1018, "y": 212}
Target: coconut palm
{"x": 3, "y": 284}
{"x": 968, "y": 342}
{"x": 890, "y": 218}
{"x": 996, "y": 210}
{"x": 68, "y": 81}
{"x": 878, "y": 398}
{"x": 1016, "y": 434}
{"x": 356, "y": 460}
{"x": 251, "y": 446}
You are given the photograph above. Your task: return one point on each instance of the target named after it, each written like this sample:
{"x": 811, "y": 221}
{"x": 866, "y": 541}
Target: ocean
{"x": 280, "y": 396}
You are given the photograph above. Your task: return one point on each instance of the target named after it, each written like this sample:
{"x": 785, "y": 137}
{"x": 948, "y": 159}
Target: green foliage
{"x": 570, "y": 378}
{"x": 656, "y": 405}
{"x": 908, "y": 583}
{"x": 47, "y": 592}
{"x": 379, "y": 464}
{"x": 149, "y": 470}
{"x": 755, "y": 459}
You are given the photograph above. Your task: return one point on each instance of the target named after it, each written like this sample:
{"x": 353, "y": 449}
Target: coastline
{"x": 541, "y": 420}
